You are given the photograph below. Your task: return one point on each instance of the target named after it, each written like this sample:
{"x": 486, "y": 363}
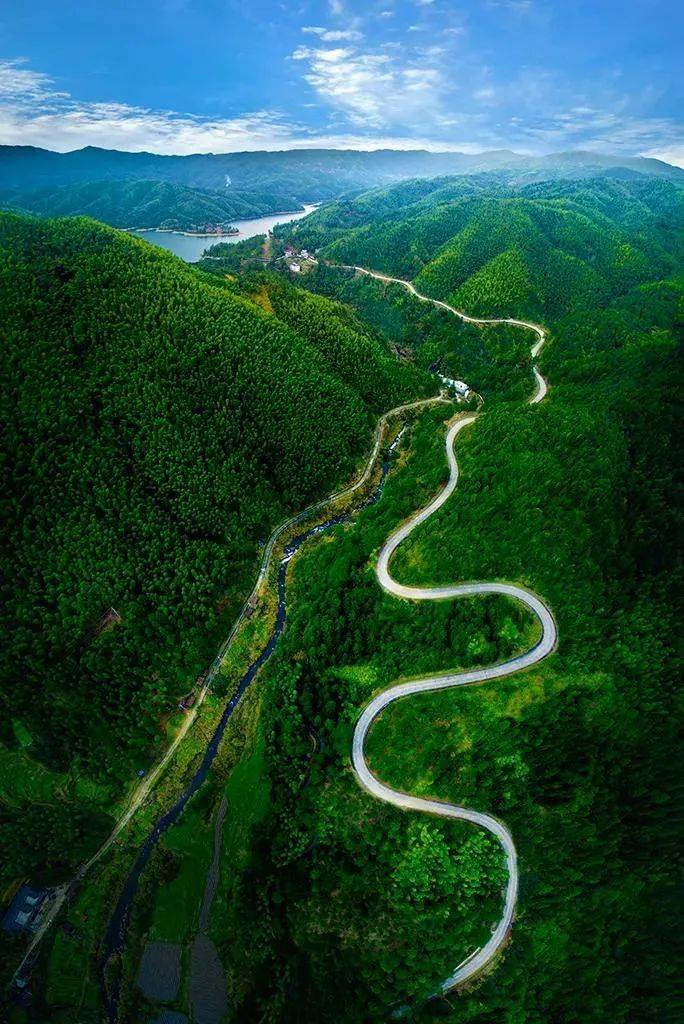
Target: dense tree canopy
{"x": 149, "y": 204}
{"x": 535, "y": 250}
{"x": 580, "y": 499}
{"x": 156, "y": 425}
{"x": 158, "y": 420}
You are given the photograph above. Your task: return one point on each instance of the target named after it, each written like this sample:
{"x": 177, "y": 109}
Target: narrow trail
{"x": 549, "y": 633}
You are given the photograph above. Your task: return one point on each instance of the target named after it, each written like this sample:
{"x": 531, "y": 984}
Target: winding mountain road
{"x": 481, "y": 957}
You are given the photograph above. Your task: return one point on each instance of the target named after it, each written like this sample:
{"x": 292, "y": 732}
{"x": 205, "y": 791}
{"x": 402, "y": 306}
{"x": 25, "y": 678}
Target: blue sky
{"x": 182, "y": 76}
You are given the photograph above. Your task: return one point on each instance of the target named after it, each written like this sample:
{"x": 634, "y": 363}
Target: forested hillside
{"x": 159, "y": 419}
{"x": 150, "y": 204}
{"x": 333, "y": 329}
{"x": 494, "y": 361}
{"x": 494, "y": 251}
{"x": 156, "y": 425}
{"x": 312, "y": 174}
{"x": 578, "y": 498}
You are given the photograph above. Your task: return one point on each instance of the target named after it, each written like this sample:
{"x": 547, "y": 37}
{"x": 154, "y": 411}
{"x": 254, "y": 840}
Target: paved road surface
{"x": 142, "y": 791}
{"x": 474, "y": 963}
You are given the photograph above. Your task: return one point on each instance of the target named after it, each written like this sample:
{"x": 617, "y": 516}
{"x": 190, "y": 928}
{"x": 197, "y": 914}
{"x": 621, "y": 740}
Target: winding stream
{"x": 115, "y": 935}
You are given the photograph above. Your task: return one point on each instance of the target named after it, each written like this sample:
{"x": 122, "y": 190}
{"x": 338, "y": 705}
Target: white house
{"x": 459, "y": 386}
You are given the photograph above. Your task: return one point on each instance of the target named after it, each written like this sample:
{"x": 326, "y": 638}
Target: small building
{"x": 188, "y": 701}
{"x": 295, "y": 268}
{"x": 24, "y": 910}
{"x": 304, "y": 254}
{"x": 459, "y": 386}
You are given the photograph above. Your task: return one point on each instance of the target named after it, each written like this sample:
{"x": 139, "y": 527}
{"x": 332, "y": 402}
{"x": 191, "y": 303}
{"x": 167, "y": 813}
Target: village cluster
{"x": 296, "y": 258}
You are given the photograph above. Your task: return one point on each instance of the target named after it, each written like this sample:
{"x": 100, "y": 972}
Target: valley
{"x": 341, "y": 509}
{"x": 329, "y": 905}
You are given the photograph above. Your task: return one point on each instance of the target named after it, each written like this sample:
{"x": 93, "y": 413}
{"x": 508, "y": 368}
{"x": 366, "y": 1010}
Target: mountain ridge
{"x": 346, "y": 167}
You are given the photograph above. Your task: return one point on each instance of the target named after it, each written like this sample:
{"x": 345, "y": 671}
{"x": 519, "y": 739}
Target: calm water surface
{"x": 190, "y": 248}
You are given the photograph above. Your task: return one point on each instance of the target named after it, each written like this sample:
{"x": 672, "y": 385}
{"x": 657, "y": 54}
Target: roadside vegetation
{"x": 353, "y": 909}
{"x": 178, "y": 416}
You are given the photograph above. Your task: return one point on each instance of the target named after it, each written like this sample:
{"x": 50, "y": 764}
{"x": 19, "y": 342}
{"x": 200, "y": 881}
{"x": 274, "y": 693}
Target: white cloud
{"x": 670, "y": 156}
{"x": 34, "y": 112}
{"x": 333, "y": 35}
{"x": 20, "y": 83}
{"x": 516, "y": 6}
{"x": 399, "y": 97}
{"x": 375, "y": 89}
{"x": 603, "y": 130}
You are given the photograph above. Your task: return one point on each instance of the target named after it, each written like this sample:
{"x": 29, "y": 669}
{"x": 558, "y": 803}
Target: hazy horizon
{"x": 303, "y": 148}
{"x": 180, "y": 77}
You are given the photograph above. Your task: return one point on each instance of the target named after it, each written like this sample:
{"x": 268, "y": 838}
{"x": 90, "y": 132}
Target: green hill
{"x": 150, "y": 204}
{"x": 312, "y": 174}
{"x": 579, "y": 498}
{"x": 537, "y": 250}
{"x": 156, "y": 426}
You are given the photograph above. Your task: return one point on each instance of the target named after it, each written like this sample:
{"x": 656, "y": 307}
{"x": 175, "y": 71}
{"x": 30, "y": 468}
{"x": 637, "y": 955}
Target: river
{"x": 191, "y": 247}
{"x": 115, "y": 935}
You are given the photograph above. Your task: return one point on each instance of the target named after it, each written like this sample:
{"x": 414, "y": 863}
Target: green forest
{"x": 159, "y": 420}
{"x": 537, "y": 250}
{"x": 352, "y": 910}
{"x": 156, "y": 427}
{"x": 149, "y": 204}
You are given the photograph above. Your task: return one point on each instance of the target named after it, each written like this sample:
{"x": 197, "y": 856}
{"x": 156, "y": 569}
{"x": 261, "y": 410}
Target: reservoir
{"x": 191, "y": 247}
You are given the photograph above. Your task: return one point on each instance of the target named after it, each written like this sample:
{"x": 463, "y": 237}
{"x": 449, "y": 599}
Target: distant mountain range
{"x": 261, "y": 182}
{"x": 328, "y": 170}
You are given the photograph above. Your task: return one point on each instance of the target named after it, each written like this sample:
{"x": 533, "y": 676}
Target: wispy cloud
{"x": 516, "y": 6}
{"x": 396, "y": 96}
{"x": 21, "y": 84}
{"x": 602, "y": 129}
{"x": 328, "y": 35}
{"x": 34, "y": 112}
{"x": 375, "y": 89}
